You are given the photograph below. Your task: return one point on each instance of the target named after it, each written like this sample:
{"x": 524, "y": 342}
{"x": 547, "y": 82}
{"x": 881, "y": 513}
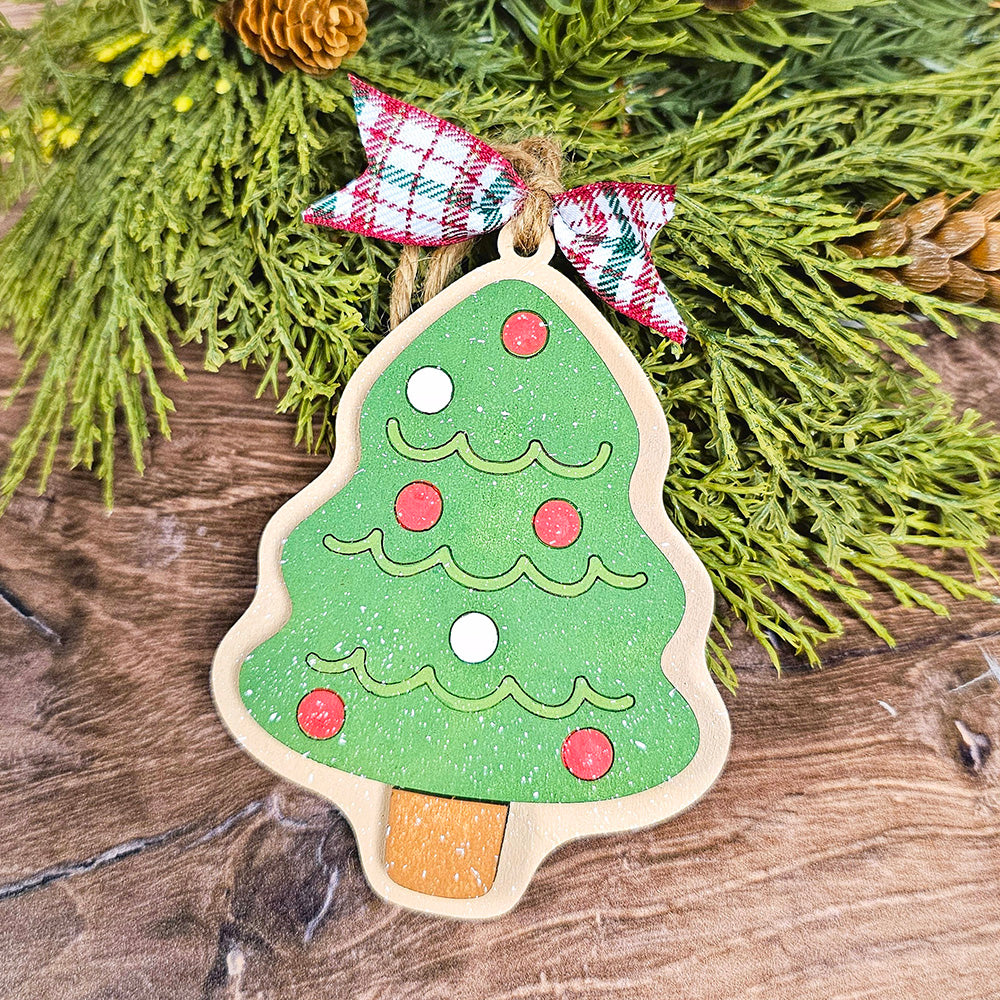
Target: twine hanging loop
{"x": 538, "y": 162}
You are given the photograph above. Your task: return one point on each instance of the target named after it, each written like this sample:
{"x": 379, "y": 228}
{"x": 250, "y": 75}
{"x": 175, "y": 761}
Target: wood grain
{"x": 846, "y": 851}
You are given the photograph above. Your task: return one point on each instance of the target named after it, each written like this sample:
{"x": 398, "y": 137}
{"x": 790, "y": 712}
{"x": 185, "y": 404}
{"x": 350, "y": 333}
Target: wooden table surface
{"x": 847, "y": 851}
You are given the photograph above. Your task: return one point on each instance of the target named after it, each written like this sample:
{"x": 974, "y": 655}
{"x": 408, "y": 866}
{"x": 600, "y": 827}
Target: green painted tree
{"x": 478, "y": 613}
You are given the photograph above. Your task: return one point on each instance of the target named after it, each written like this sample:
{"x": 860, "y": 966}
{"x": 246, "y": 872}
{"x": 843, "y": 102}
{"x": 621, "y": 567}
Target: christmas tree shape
{"x": 485, "y": 637}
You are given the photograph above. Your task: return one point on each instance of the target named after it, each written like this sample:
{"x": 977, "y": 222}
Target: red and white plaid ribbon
{"x": 430, "y": 183}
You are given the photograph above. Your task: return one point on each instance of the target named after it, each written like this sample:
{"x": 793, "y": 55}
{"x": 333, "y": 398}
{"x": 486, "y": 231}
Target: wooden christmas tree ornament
{"x": 477, "y": 633}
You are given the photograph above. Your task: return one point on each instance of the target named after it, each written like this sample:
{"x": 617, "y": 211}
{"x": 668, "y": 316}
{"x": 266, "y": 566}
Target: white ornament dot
{"x": 429, "y": 389}
{"x": 474, "y": 637}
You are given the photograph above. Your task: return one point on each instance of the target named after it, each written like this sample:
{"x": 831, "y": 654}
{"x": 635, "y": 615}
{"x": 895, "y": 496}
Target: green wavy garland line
{"x": 356, "y": 663}
{"x": 523, "y": 567}
{"x": 459, "y": 445}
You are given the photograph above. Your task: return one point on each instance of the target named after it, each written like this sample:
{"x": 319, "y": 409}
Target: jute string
{"x": 538, "y": 161}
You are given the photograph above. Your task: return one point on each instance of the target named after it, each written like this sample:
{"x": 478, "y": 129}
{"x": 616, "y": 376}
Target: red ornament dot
{"x": 557, "y": 523}
{"x": 418, "y": 506}
{"x": 524, "y": 334}
{"x": 587, "y": 754}
{"x": 321, "y": 714}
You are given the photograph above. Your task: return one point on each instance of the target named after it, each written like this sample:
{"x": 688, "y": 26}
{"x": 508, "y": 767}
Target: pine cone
{"x": 728, "y": 6}
{"x": 953, "y": 253}
{"x": 314, "y": 35}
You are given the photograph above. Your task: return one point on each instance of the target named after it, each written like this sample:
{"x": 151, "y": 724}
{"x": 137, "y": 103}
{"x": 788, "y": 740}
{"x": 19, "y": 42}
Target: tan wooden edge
{"x": 533, "y": 829}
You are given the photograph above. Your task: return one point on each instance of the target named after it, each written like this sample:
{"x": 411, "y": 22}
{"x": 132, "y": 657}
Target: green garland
{"x": 813, "y": 454}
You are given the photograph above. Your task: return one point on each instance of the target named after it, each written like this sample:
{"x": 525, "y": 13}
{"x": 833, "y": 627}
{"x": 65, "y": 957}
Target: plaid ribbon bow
{"x": 430, "y": 183}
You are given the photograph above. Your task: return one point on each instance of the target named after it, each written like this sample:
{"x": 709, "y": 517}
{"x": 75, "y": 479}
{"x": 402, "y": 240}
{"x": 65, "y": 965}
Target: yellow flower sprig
{"x": 154, "y": 59}
{"x": 112, "y": 50}
{"x": 55, "y": 130}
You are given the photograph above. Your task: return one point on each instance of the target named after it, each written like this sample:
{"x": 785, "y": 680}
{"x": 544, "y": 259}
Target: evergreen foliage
{"x": 813, "y": 455}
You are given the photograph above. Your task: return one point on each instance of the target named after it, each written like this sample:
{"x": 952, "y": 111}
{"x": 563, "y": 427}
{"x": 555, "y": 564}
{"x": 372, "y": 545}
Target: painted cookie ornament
{"x": 477, "y": 633}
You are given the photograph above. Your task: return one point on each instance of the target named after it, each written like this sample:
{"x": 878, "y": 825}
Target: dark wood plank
{"x": 847, "y": 852}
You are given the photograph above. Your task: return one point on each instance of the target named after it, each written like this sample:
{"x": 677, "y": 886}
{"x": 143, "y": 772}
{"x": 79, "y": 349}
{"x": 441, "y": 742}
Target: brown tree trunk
{"x": 443, "y": 847}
